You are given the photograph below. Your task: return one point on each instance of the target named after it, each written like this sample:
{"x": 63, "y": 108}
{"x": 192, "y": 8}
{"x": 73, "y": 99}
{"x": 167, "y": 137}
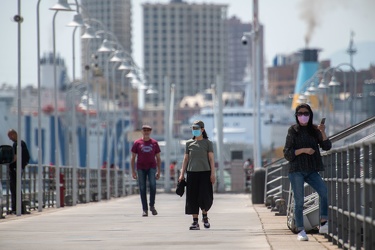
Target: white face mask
{"x": 303, "y": 119}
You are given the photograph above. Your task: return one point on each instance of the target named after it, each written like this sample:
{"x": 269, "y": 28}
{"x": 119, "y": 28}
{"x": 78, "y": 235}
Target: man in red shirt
{"x": 147, "y": 152}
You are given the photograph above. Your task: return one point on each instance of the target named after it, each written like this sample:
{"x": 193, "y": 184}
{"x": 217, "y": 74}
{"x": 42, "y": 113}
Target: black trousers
{"x": 199, "y": 192}
{"x": 13, "y": 189}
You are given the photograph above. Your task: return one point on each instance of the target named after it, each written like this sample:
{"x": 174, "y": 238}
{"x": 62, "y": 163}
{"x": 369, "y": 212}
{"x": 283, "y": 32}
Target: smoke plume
{"x": 312, "y": 12}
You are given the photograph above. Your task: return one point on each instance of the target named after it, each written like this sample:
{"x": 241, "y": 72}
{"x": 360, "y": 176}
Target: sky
{"x": 327, "y": 23}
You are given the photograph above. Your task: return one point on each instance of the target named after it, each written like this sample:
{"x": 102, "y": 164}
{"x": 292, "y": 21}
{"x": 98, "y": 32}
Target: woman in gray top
{"x": 199, "y": 165}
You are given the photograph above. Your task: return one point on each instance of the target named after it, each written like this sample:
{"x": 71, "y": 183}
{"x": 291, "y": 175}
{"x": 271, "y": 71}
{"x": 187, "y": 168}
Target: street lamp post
{"x": 218, "y": 106}
{"x": 255, "y": 68}
{"x": 353, "y": 92}
{"x": 19, "y": 108}
{"x": 123, "y": 73}
{"x": 107, "y": 129}
{"x": 323, "y": 103}
{"x": 171, "y": 119}
{"x": 333, "y": 84}
{"x": 40, "y": 170}
{"x": 167, "y": 137}
{"x": 77, "y": 22}
{"x": 115, "y": 110}
{"x": 256, "y": 79}
{"x": 322, "y": 85}
{"x": 61, "y": 6}
{"x": 75, "y": 86}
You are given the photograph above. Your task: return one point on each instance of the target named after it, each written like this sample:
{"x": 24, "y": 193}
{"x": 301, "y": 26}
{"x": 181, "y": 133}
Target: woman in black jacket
{"x": 302, "y": 151}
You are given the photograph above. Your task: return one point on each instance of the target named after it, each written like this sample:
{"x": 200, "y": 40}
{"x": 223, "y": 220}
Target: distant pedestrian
{"x": 147, "y": 152}
{"x": 302, "y": 151}
{"x": 13, "y": 136}
{"x": 199, "y": 165}
{"x": 248, "y": 168}
{"x": 172, "y": 170}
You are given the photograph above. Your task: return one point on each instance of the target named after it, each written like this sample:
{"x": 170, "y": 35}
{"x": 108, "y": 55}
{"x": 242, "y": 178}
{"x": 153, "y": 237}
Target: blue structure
{"x": 307, "y": 68}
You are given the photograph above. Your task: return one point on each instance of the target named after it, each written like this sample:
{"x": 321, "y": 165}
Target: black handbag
{"x": 180, "y": 190}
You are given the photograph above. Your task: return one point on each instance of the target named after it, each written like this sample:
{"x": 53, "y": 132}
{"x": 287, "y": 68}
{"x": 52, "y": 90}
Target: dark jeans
{"x": 143, "y": 174}
{"x": 297, "y": 180}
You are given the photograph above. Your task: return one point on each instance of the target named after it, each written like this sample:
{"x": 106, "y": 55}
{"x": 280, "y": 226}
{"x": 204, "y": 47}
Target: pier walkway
{"x": 117, "y": 224}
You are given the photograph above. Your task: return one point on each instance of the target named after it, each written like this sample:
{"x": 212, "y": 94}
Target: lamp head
{"x": 61, "y": 5}
{"x": 77, "y": 21}
{"x": 244, "y": 40}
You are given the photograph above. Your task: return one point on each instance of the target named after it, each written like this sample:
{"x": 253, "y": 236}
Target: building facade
{"x": 110, "y": 20}
{"x": 239, "y": 54}
{"x": 187, "y": 43}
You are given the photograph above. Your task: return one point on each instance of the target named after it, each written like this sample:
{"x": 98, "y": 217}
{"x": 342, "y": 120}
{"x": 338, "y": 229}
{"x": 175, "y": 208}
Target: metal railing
{"x": 350, "y": 178}
{"x": 124, "y": 185}
{"x": 121, "y": 184}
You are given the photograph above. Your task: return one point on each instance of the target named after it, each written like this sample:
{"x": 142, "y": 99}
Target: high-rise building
{"x": 111, "y": 19}
{"x": 186, "y": 42}
{"x": 239, "y": 56}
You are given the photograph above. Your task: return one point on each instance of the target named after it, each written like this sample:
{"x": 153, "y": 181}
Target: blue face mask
{"x": 196, "y": 133}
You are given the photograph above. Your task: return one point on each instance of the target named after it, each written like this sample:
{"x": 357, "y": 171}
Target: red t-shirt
{"x": 146, "y": 152}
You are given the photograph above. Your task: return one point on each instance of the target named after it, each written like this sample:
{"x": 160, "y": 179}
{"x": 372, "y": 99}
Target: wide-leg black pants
{"x": 199, "y": 192}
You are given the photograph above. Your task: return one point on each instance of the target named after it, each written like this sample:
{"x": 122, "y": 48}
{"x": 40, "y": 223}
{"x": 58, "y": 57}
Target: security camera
{"x": 18, "y": 19}
{"x": 244, "y": 40}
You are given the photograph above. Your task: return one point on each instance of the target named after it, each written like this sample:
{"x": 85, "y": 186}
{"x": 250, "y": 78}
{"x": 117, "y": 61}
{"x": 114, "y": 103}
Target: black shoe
{"x": 153, "y": 211}
{"x": 194, "y": 226}
{"x": 25, "y": 212}
{"x": 206, "y": 223}
{"x": 144, "y": 214}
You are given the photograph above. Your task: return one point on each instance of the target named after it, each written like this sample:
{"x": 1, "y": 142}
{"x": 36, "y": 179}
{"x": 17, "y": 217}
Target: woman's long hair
{"x": 311, "y": 128}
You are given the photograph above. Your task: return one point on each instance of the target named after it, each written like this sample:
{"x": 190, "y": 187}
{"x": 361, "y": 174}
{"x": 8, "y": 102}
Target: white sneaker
{"x": 324, "y": 229}
{"x": 302, "y": 236}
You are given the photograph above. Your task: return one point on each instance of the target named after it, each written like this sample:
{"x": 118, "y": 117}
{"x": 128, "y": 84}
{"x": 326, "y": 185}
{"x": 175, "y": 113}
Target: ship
{"x": 275, "y": 119}
{"x": 91, "y": 131}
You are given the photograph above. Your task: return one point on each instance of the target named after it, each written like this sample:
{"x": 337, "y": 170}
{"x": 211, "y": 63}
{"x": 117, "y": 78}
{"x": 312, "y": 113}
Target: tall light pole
{"x": 352, "y": 51}
{"x": 167, "y": 135}
{"x": 98, "y": 128}
{"x": 74, "y": 87}
{"x": 61, "y": 6}
{"x": 323, "y": 85}
{"x": 124, "y": 69}
{"x": 353, "y": 92}
{"x": 18, "y": 18}
{"x": 171, "y": 118}
{"x": 77, "y": 22}
{"x": 218, "y": 106}
{"x": 40, "y": 170}
{"x": 256, "y": 79}
{"x": 255, "y": 73}
{"x": 115, "y": 109}
{"x": 107, "y": 130}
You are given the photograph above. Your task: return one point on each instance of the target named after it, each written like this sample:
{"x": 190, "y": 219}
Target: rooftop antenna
{"x": 351, "y": 50}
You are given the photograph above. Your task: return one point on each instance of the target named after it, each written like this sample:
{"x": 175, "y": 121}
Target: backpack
{"x": 6, "y": 154}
